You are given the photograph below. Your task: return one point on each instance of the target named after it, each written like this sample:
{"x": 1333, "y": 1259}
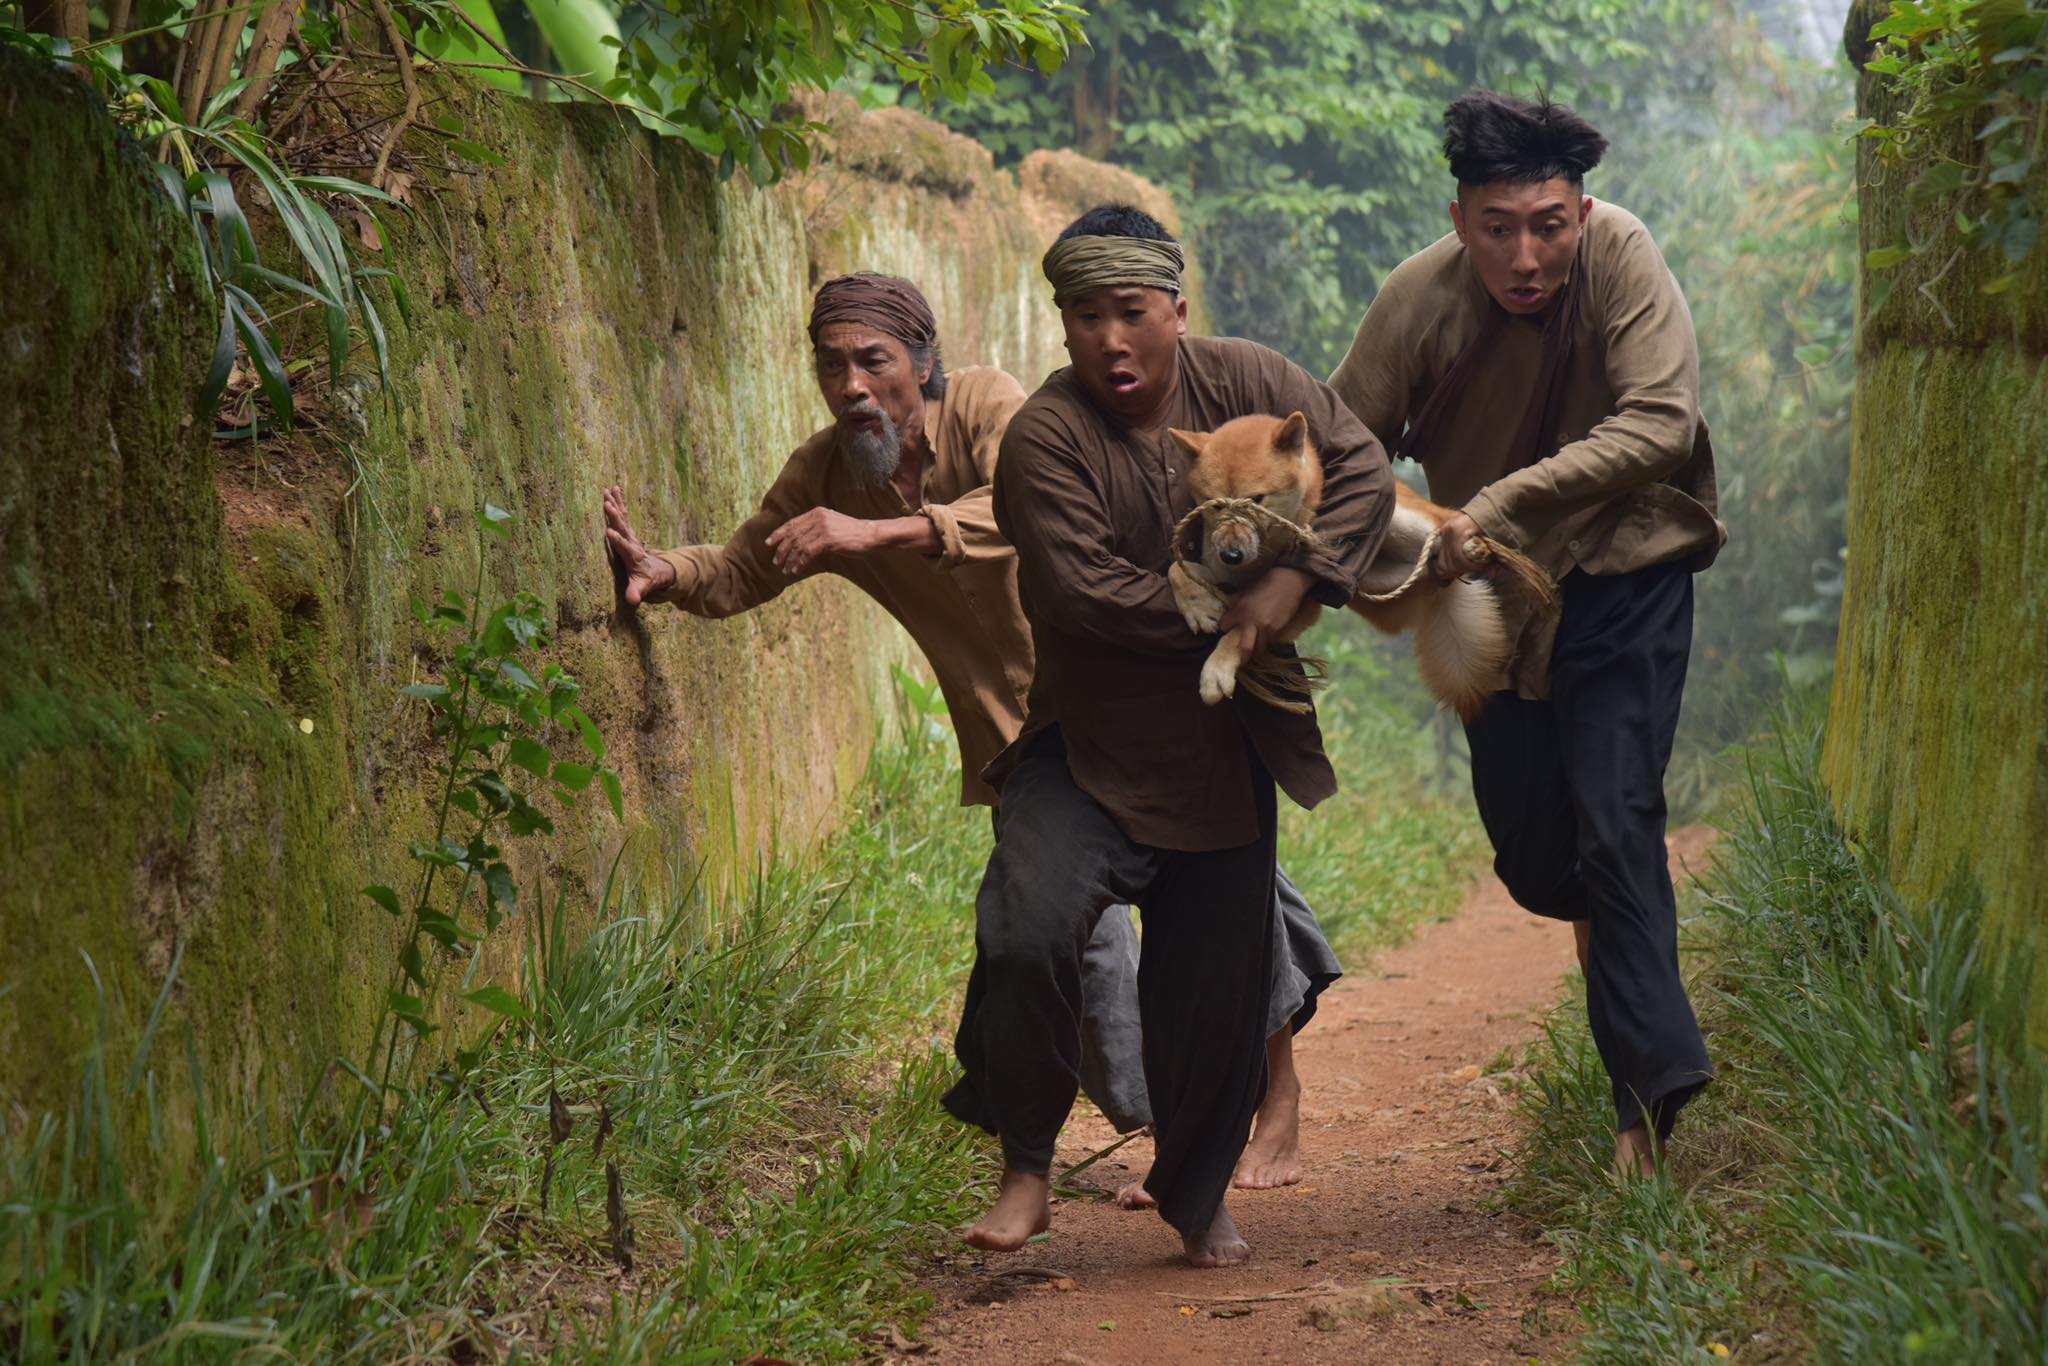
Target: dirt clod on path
{"x": 1390, "y": 1248}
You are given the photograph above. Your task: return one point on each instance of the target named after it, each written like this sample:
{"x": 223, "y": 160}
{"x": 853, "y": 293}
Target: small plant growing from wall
{"x": 499, "y": 713}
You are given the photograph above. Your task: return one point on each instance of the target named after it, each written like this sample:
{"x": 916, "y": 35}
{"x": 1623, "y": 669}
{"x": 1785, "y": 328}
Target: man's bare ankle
{"x": 1022, "y": 1211}
{"x": 1218, "y": 1245}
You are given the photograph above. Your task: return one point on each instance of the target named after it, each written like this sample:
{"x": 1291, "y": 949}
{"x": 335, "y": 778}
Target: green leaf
{"x": 431, "y": 692}
{"x": 586, "y": 730}
{"x": 609, "y": 781}
{"x": 1944, "y": 177}
{"x": 2011, "y": 172}
{"x": 503, "y": 890}
{"x": 445, "y": 929}
{"x": 575, "y": 777}
{"x": 524, "y": 820}
{"x": 415, "y": 970}
{"x": 1884, "y": 258}
{"x": 342, "y": 185}
{"x": 238, "y": 244}
{"x": 499, "y": 1000}
{"x": 223, "y": 364}
{"x": 406, "y": 1007}
{"x": 277, "y": 386}
{"x": 475, "y": 151}
{"x": 384, "y": 897}
{"x": 1813, "y": 353}
{"x": 530, "y": 755}
{"x": 494, "y": 519}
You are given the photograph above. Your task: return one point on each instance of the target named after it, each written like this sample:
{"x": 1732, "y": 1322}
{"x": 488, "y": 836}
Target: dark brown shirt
{"x": 1091, "y": 507}
{"x": 1632, "y": 482}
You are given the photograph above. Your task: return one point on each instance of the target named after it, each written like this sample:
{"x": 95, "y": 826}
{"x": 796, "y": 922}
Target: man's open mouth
{"x": 1526, "y": 294}
{"x": 1121, "y": 381}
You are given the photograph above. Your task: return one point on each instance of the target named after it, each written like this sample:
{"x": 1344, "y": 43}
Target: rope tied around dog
{"x": 1265, "y": 676}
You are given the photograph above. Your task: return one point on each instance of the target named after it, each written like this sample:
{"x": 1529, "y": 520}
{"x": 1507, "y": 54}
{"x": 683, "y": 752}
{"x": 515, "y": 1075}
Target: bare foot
{"x": 1022, "y": 1211}
{"x": 1273, "y": 1157}
{"x": 1135, "y": 1196}
{"x": 1219, "y": 1245}
{"x": 1636, "y": 1154}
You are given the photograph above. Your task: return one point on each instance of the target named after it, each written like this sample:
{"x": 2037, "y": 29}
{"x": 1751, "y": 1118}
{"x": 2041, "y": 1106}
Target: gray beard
{"x": 871, "y": 457}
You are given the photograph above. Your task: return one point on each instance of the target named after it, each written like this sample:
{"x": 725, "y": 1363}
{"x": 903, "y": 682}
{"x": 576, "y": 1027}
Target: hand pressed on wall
{"x": 645, "y": 573}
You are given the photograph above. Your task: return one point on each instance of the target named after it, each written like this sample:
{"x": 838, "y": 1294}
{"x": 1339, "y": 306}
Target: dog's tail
{"x": 1461, "y": 645}
{"x": 1524, "y": 576}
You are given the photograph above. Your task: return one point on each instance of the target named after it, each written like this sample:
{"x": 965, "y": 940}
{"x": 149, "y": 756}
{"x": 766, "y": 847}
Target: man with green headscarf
{"x": 1124, "y": 786}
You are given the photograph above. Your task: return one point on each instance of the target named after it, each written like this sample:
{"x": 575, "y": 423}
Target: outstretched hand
{"x": 645, "y": 573}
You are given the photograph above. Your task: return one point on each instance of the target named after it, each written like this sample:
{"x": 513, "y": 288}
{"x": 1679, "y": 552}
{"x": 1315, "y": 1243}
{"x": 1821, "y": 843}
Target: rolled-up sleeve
{"x": 725, "y": 580}
{"x": 1653, "y": 370}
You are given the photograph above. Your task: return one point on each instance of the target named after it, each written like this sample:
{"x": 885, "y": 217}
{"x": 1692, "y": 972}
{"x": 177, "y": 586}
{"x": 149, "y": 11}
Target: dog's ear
{"x": 1191, "y": 539}
{"x": 1292, "y": 438}
{"x": 1191, "y": 442}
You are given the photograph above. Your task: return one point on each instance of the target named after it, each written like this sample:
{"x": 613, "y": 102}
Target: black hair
{"x": 1490, "y": 138}
{"x": 934, "y": 385}
{"x": 1117, "y": 220}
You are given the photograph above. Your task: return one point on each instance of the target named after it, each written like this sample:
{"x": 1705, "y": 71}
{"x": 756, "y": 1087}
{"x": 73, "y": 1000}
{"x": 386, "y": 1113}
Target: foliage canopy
{"x": 1301, "y": 140}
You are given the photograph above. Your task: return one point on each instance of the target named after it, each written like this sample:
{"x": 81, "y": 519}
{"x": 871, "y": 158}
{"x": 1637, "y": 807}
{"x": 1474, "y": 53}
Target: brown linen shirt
{"x": 1632, "y": 480}
{"x": 1091, "y": 507}
{"x": 960, "y": 606}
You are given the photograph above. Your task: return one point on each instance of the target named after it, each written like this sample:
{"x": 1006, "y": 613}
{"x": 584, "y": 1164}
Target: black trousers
{"x": 1571, "y": 791}
{"x": 1204, "y": 975}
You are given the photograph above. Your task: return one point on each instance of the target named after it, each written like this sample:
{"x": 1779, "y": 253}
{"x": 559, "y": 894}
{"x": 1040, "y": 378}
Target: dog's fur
{"x": 1461, "y": 640}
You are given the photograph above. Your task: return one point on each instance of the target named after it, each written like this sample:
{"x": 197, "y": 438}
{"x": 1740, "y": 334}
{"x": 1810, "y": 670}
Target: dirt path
{"x": 1386, "y": 1252}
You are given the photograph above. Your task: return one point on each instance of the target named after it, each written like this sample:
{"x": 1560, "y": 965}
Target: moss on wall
{"x": 1937, "y": 750}
{"x": 202, "y": 741}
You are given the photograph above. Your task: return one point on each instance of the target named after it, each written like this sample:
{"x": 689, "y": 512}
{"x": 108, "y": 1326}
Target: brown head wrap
{"x": 1079, "y": 266}
{"x": 884, "y": 302}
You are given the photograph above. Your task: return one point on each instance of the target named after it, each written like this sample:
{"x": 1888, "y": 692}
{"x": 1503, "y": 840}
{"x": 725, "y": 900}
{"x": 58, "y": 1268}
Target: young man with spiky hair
{"x": 1124, "y": 786}
{"x": 1539, "y": 362}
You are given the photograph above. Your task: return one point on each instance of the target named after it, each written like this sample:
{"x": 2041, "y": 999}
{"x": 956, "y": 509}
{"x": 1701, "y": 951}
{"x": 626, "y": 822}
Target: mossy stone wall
{"x": 1937, "y": 747}
{"x": 203, "y": 751}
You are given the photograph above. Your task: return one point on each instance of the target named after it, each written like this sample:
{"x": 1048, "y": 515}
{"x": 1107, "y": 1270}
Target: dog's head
{"x": 1268, "y": 461}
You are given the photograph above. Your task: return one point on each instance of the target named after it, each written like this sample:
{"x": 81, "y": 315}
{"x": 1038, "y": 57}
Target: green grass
{"x": 1864, "y": 1182}
{"x": 769, "y": 1056}
{"x": 767, "y": 1064}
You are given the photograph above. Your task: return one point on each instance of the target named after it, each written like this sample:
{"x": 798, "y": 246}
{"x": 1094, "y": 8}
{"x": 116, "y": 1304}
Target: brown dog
{"x": 1257, "y": 482}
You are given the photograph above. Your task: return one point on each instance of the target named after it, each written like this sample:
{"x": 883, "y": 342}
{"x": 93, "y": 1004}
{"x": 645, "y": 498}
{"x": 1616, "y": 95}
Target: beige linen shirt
{"x": 960, "y": 605}
{"x": 1632, "y": 481}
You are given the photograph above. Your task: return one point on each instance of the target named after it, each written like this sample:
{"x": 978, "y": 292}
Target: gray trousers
{"x": 1112, "y": 1062}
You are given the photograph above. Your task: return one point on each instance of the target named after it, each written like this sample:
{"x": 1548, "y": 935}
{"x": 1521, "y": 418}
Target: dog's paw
{"x": 1199, "y": 605}
{"x": 1219, "y": 679}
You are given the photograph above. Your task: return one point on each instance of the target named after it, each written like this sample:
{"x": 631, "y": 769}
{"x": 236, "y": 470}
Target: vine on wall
{"x": 1972, "y": 79}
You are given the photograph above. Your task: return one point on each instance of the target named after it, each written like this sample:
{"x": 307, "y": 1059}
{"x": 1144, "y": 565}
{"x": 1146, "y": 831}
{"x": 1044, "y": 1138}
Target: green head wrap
{"x": 1079, "y": 266}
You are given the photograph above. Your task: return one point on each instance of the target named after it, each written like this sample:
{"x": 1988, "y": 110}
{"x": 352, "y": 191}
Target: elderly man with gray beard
{"x": 896, "y": 496}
